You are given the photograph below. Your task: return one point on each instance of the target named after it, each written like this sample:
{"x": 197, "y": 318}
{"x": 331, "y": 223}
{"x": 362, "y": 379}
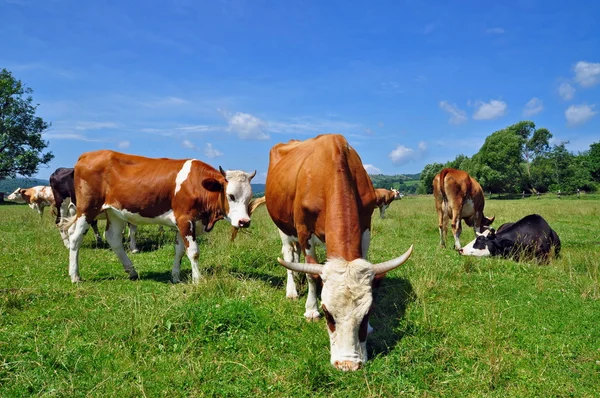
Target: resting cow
{"x": 529, "y": 238}
{"x": 317, "y": 191}
{"x": 384, "y": 199}
{"x": 458, "y": 197}
{"x": 63, "y": 189}
{"x": 187, "y": 194}
{"x": 38, "y": 197}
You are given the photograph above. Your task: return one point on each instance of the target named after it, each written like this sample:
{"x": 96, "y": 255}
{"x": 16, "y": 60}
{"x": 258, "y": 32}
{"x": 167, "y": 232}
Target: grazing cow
{"x": 187, "y": 194}
{"x": 38, "y": 197}
{"x": 62, "y": 182}
{"x": 458, "y": 197}
{"x": 529, "y": 238}
{"x": 317, "y": 191}
{"x": 384, "y": 199}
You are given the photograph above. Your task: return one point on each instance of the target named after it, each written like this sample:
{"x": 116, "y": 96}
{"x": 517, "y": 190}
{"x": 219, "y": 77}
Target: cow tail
{"x": 444, "y": 197}
{"x": 254, "y": 204}
{"x": 66, "y": 222}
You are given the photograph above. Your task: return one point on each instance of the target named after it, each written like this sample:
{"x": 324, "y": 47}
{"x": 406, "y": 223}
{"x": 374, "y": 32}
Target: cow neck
{"x": 343, "y": 231}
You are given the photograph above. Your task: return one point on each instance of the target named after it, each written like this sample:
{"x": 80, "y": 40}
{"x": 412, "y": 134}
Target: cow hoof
{"x": 75, "y": 279}
{"x": 133, "y": 276}
{"x": 292, "y": 296}
{"x": 134, "y": 251}
{"x": 312, "y": 316}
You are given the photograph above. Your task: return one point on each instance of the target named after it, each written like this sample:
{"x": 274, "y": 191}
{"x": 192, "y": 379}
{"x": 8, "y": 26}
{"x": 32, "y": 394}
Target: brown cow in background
{"x": 458, "y": 196}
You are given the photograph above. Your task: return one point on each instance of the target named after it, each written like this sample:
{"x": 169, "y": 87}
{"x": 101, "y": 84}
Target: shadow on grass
{"x": 273, "y": 280}
{"x": 391, "y": 300}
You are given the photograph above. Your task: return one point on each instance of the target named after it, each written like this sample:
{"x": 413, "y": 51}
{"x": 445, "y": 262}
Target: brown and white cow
{"x": 187, "y": 194}
{"x": 317, "y": 191}
{"x": 384, "y": 199}
{"x": 38, "y": 197}
{"x": 458, "y": 196}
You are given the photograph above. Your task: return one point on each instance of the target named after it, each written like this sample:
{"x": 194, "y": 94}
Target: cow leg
{"x": 94, "y": 225}
{"x": 132, "y": 241}
{"x": 456, "y": 229}
{"x": 63, "y": 212}
{"x": 381, "y": 212}
{"x": 289, "y": 253}
{"x": 312, "y": 311}
{"x": 179, "y": 250}
{"x": 187, "y": 229}
{"x": 442, "y": 209}
{"x": 114, "y": 237}
{"x": 76, "y": 233}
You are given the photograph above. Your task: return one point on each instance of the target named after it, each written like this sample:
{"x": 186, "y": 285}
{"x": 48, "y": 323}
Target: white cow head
{"x": 17, "y": 196}
{"x": 239, "y": 195}
{"x": 346, "y": 300}
{"x": 478, "y": 247}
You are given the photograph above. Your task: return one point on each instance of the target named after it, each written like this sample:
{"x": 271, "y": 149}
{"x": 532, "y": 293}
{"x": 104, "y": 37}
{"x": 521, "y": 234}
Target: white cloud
{"x": 371, "y": 169}
{"x": 534, "y": 106}
{"x": 578, "y": 114}
{"x": 494, "y": 31}
{"x": 70, "y": 136}
{"x": 82, "y": 126}
{"x": 587, "y": 74}
{"x": 201, "y": 128}
{"x": 123, "y": 144}
{"x": 211, "y": 152}
{"x": 566, "y": 91}
{"x": 490, "y": 110}
{"x": 246, "y": 126}
{"x": 165, "y": 102}
{"x": 403, "y": 155}
{"x": 188, "y": 144}
{"x": 457, "y": 116}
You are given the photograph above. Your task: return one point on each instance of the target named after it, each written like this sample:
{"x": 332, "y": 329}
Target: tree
{"x": 427, "y": 176}
{"x": 21, "y": 144}
{"x": 593, "y": 156}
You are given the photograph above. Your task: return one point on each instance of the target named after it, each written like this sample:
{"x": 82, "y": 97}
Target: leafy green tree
{"x": 427, "y": 176}
{"x": 593, "y": 156}
{"x": 21, "y": 144}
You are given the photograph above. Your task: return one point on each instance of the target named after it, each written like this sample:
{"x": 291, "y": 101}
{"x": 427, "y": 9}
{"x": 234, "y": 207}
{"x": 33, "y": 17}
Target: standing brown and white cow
{"x": 187, "y": 194}
{"x": 317, "y": 191}
{"x": 384, "y": 199}
{"x": 458, "y": 196}
{"x": 38, "y": 197}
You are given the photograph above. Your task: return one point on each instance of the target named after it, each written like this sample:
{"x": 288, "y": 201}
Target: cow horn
{"x": 222, "y": 172}
{"x": 252, "y": 175}
{"x": 492, "y": 218}
{"x": 307, "y": 268}
{"x": 389, "y": 265}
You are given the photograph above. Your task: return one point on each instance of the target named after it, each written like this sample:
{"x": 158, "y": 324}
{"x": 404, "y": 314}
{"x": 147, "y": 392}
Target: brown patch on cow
{"x": 328, "y": 318}
{"x": 384, "y": 197}
{"x": 363, "y": 330}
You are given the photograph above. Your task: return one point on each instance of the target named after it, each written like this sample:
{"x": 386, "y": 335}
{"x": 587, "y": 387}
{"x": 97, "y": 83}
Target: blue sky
{"x": 407, "y": 82}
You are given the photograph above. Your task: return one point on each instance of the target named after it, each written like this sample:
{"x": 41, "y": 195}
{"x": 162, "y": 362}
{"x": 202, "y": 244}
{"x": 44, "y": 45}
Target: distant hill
{"x": 9, "y": 185}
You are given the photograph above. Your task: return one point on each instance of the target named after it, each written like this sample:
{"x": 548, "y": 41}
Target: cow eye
{"x": 329, "y": 318}
{"x": 231, "y": 197}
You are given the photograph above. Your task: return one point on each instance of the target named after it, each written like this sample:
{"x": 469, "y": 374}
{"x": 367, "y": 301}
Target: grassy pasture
{"x": 445, "y": 325}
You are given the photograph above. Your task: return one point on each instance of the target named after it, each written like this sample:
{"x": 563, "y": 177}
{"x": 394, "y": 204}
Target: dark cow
{"x": 318, "y": 192}
{"x": 529, "y": 238}
{"x": 184, "y": 193}
{"x": 63, "y": 189}
{"x": 458, "y": 196}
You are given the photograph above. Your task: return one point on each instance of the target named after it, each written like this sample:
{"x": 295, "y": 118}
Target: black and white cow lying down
{"x": 529, "y": 238}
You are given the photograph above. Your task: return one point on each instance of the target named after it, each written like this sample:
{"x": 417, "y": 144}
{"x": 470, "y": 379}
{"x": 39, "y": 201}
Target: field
{"x": 445, "y": 325}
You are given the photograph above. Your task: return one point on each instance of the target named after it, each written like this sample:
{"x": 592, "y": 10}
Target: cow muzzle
{"x": 244, "y": 223}
{"x": 348, "y": 365}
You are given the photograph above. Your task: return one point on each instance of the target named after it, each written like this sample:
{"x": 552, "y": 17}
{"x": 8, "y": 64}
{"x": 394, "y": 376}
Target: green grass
{"x": 445, "y": 325}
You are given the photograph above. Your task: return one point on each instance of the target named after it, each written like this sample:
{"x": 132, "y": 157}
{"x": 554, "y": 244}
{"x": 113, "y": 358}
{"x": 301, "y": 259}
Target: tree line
{"x": 520, "y": 158}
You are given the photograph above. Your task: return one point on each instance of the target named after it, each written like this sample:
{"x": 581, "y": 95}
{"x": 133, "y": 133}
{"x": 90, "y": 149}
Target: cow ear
{"x": 212, "y": 185}
{"x": 492, "y": 234}
{"x": 377, "y": 280}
